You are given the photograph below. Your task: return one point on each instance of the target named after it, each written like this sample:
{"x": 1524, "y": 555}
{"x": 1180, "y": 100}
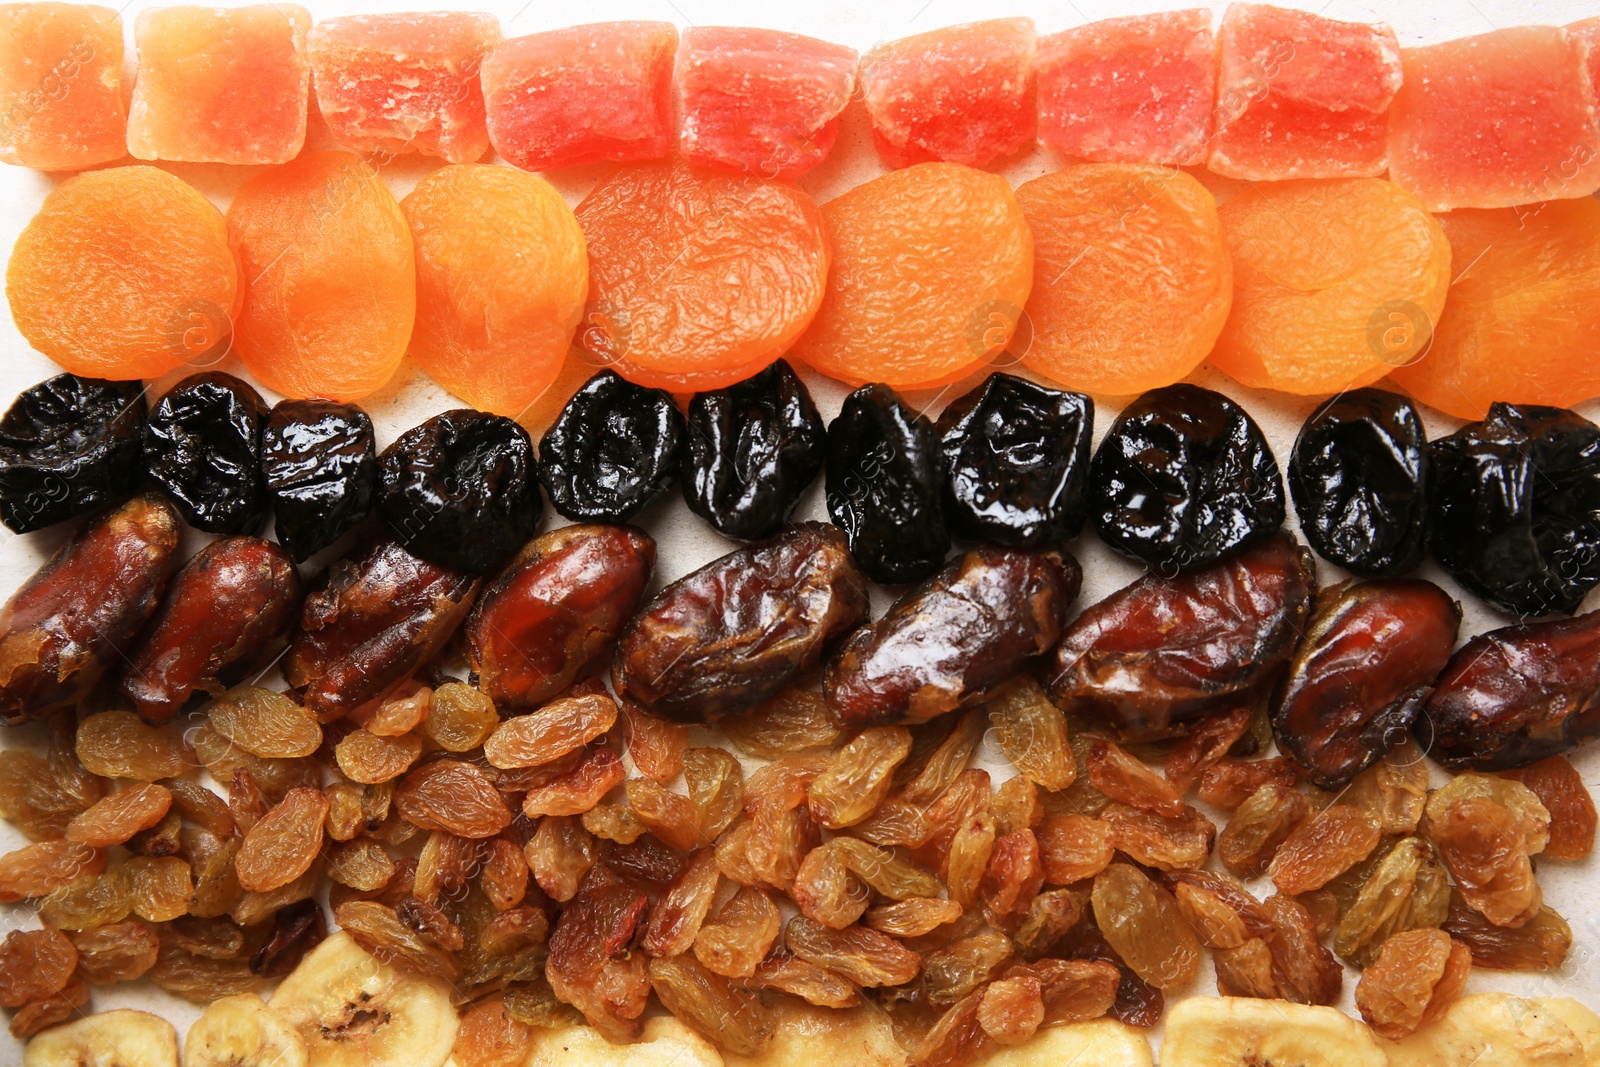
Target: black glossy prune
{"x": 614, "y": 450}
{"x": 1017, "y": 462}
{"x": 885, "y": 486}
{"x": 1515, "y": 508}
{"x": 1359, "y": 478}
{"x": 751, "y": 450}
{"x": 321, "y": 470}
{"x": 459, "y": 489}
{"x": 69, "y": 445}
{"x": 1183, "y": 478}
{"x": 202, "y": 446}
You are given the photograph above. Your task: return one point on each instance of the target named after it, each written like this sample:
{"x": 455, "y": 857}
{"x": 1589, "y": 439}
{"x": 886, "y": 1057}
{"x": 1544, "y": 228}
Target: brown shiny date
{"x": 739, "y": 629}
{"x": 1154, "y": 658}
{"x": 555, "y": 609}
{"x": 370, "y": 621}
{"x": 225, "y": 608}
{"x": 1361, "y": 673}
{"x": 80, "y": 613}
{"x": 1513, "y": 696}
{"x": 969, "y": 627}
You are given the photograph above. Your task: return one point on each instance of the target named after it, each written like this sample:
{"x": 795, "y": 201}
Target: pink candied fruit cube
{"x": 1302, "y": 96}
{"x": 761, "y": 101}
{"x": 1130, "y": 90}
{"x": 962, "y": 94}
{"x": 219, "y": 85}
{"x": 1503, "y": 119}
{"x": 586, "y": 94}
{"x": 404, "y": 83}
{"x": 61, "y": 103}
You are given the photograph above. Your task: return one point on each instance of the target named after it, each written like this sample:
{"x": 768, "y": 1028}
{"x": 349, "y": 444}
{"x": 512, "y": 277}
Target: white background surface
{"x": 684, "y": 541}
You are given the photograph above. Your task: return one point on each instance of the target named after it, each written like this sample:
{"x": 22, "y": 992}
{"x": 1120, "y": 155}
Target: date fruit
{"x": 202, "y": 446}
{"x": 613, "y": 451}
{"x": 321, "y": 470}
{"x": 67, "y": 446}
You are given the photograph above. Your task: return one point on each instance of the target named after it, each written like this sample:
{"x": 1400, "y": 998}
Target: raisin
{"x": 1122, "y": 777}
{"x": 378, "y": 929}
{"x": 1158, "y": 840}
{"x": 265, "y": 723}
{"x": 579, "y": 789}
{"x": 1213, "y": 920}
{"x": 560, "y": 727}
{"x": 1407, "y": 890}
{"x": 1259, "y": 827}
{"x": 453, "y": 796}
{"x": 462, "y": 718}
{"x": 58, "y": 1007}
{"x": 707, "y": 1002}
{"x": 1205, "y": 745}
{"x": 614, "y": 822}
{"x": 1305, "y": 971}
{"x": 1230, "y": 782}
{"x": 676, "y": 918}
{"x": 1011, "y": 1009}
{"x": 505, "y": 875}
{"x": 951, "y": 973}
{"x": 670, "y": 816}
{"x": 1014, "y": 875}
{"x": 366, "y": 758}
{"x": 117, "y": 744}
{"x": 1560, "y": 788}
{"x": 559, "y": 855}
{"x": 1143, "y": 923}
{"x": 1539, "y": 944}
{"x": 590, "y": 965}
{"x": 1016, "y": 805}
{"x": 40, "y": 869}
{"x": 34, "y": 964}
{"x": 216, "y": 880}
{"x": 858, "y": 776}
{"x": 490, "y": 1037}
{"x": 793, "y": 720}
{"x": 296, "y": 930}
{"x": 1393, "y": 790}
{"x": 445, "y": 866}
{"x": 1073, "y": 848}
{"x": 1032, "y": 732}
{"x": 117, "y": 952}
{"x": 285, "y": 843}
{"x": 1486, "y": 831}
{"x": 827, "y": 890}
{"x": 320, "y": 467}
{"x": 716, "y": 789}
{"x": 1323, "y": 847}
{"x": 1051, "y": 916}
{"x": 813, "y": 984}
{"x": 90, "y": 901}
{"x": 160, "y": 887}
{"x": 202, "y": 446}
{"x": 864, "y": 956}
{"x": 200, "y": 806}
{"x": 1415, "y": 977}
{"x": 35, "y": 801}
{"x": 119, "y": 816}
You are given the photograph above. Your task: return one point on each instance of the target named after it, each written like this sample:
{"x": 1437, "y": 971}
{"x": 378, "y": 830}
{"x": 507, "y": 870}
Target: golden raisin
{"x": 285, "y": 843}
{"x": 119, "y": 816}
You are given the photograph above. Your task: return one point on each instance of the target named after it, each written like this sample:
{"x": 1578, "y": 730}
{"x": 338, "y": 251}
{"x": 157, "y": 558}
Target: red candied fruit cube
{"x": 963, "y": 94}
{"x": 404, "y": 83}
{"x": 61, "y": 103}
{"x": 586, "y": 94}
{"x": 761, "y": 101}
{"x": 1302, "y": 96}
{"x": 1130, "y": 90}
{"x": 1503, "y": 119}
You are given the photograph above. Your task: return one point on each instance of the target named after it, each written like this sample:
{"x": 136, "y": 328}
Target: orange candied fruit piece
{"x": 698, "y": 279}
{"x": 1523, "y": 312}
{"x": 61, "y": 105}
{"x": 1133, "y": 280}
{"x": 931, "y": 268}
{"x": 502, "y": 276}
{"x": 124, "y": 273}
{"x": 1335, "y": 283}
{"x": 330, "y": 284}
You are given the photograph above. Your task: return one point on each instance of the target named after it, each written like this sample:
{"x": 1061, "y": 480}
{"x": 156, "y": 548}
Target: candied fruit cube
{"x": 585, "y": 94}
{"x": 1503, "y": 119}
{"x": 1302, "y": 96}
{"x": 761, "y": 101}
{"x": 61, "y": 104}
{"x": 220, "y": 85}
{"x": 1130, "y": 90}
{"x": 404, "y": 83}
{"x": 962, "y": 94}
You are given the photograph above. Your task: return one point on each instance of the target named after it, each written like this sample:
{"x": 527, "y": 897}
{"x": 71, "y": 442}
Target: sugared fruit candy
{"x": 220, "y": 85}
{"x": 615, "y": 449}
{"x": 586, "y": 94}
{"x": 320, "y": 466}
{"x": 404, "y": 82}
{"x": 331, "y": 289}
{"x": 69, "y": 445}
{"x": 1335, "y": 283}
{"x": 698, "y": 279}
{"x": 1130, "y": 90}
{"x": 961, "y": 94}
{"x": 202, "y": 446}
{"x": 931, "y": 268}
{"x": 1134, "y": 278}
{"x": 61, "y": 105}
{"x": 759, "y": 101}
{"x": 124, "y": 273}
{"x": 502, "y": 276}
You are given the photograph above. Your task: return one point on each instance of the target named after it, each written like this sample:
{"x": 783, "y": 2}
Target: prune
{"x": 460, "y": 490}
{"x": 67, "y": 446}
{"x": 741, "y": 628}
{"x": 226, "y": 608}
{"x": 556, "y": 609}
{"x": 1359, "y": 478}
{"x": 1513, "y": 508}
{"x": 320, "y": 465}
{"x": 1158, "y": 656}
{"x": 80, "y": 613}
{"x": 613, "y": 451}
{"x": 369, "y": 622}
{"x": 1361, "y": 673}
{"x": 1513, "y": 696}
{"x": 1016, "y": 458}
{"x": 1183, "y": 478}
{"x": 202, "y": 446}
{"x": 943, "y": 644}
{"x": 751, "y": 450}
{"x": 885, "y": 486}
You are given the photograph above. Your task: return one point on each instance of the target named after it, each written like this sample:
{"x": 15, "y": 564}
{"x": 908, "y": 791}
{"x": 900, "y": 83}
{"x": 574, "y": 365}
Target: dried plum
{"x": 69, "y": 445}
{"x": 1183, "y": 478}
{"x": 751, "y": 450}
{"x": 459, "y": 489}
{"x": 1516, "y": 508}
{"x": 885, "y": 486}
{"x": 1359, "y": 478}
{"x": 1017, "y": 462}
{"x": 613, "y": 451}
{"x": 321, "y": 471}
{"x": 202, "y": 446}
